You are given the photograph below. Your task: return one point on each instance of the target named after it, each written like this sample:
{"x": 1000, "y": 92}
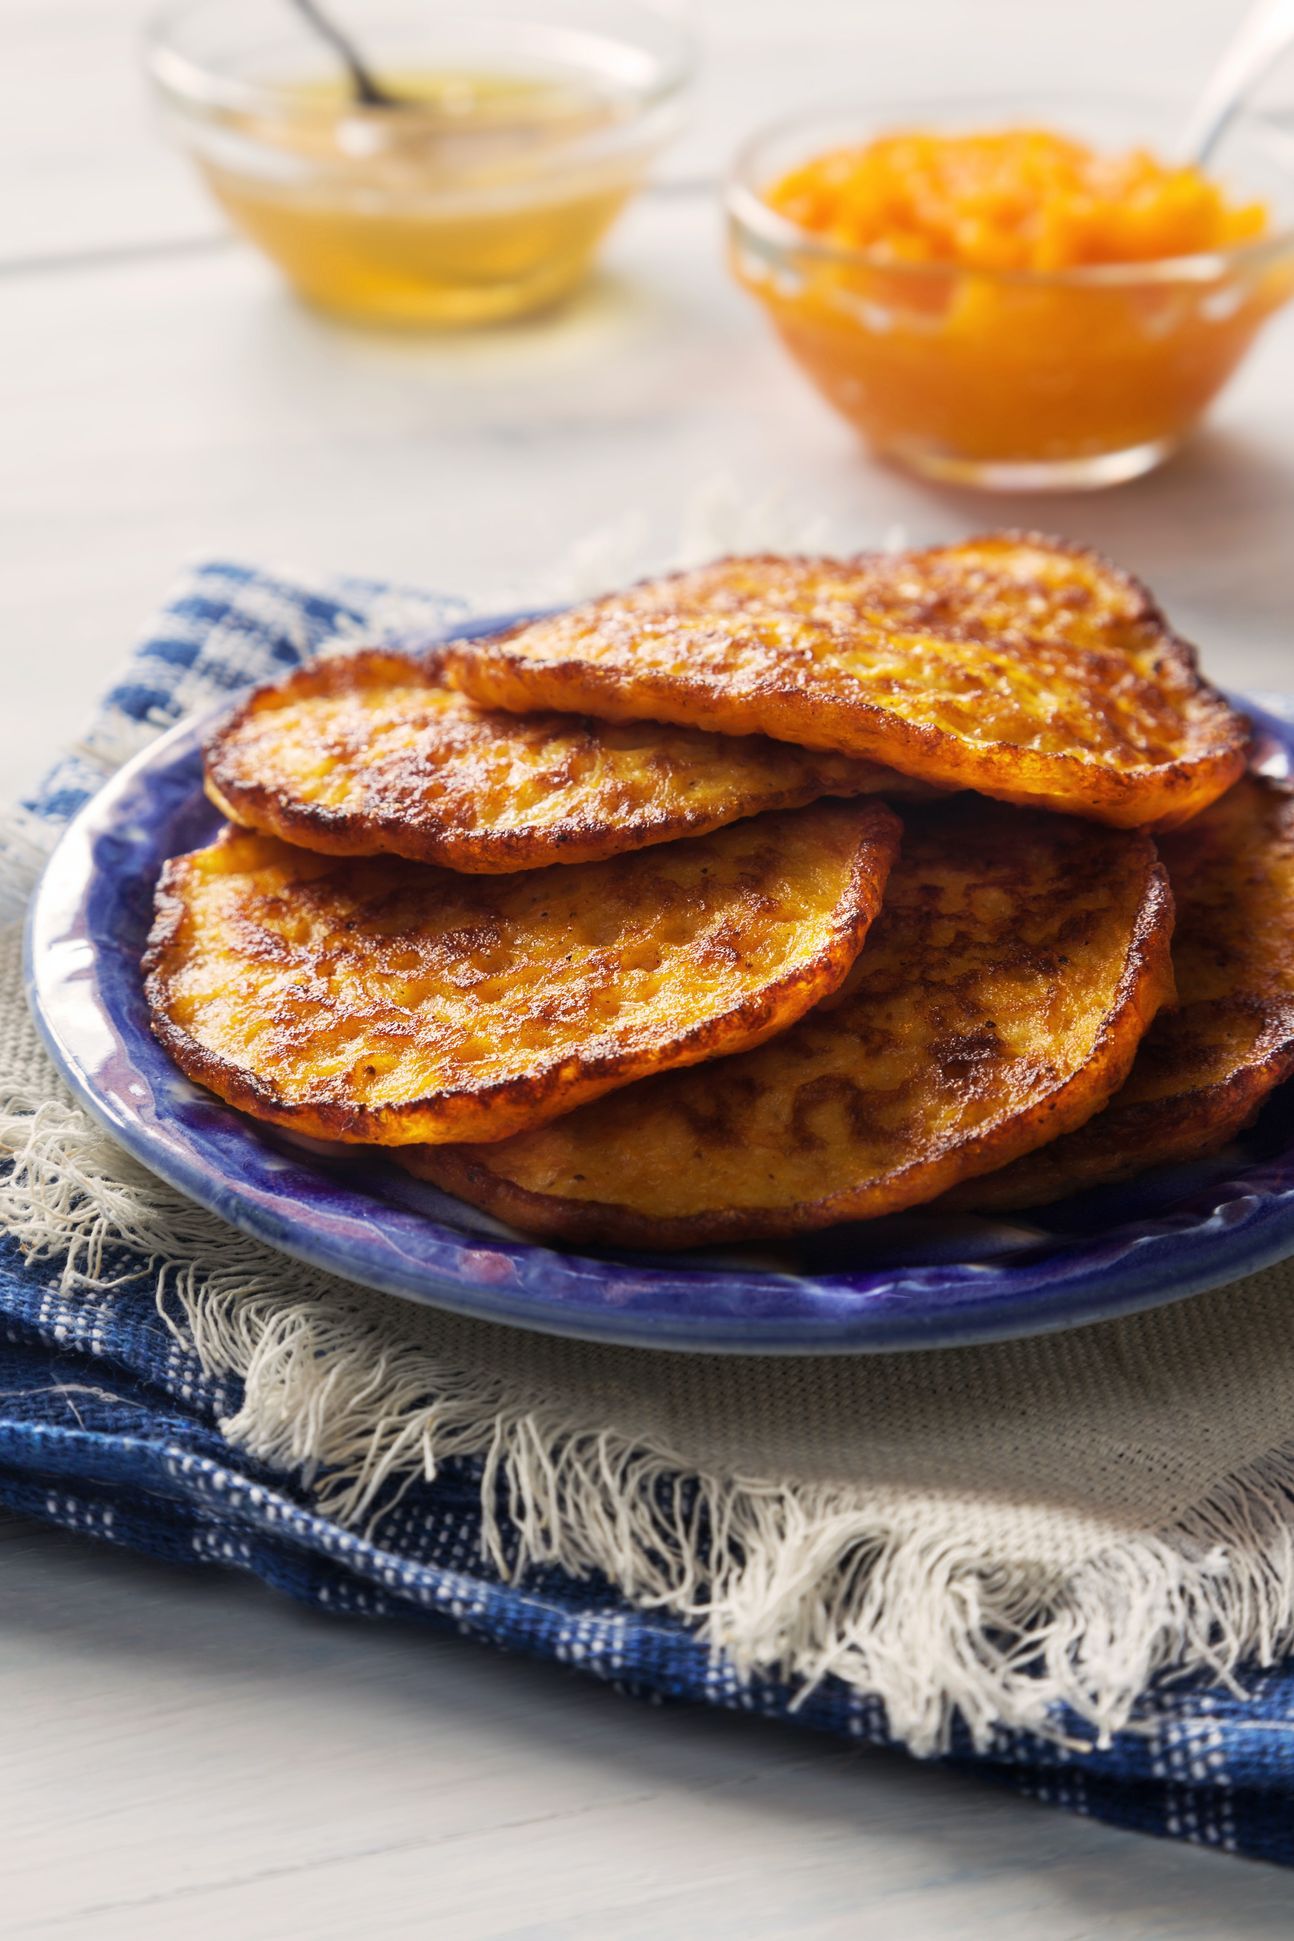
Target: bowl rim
{"x": 182, "y": 78}
{"x": 755, "y": 219}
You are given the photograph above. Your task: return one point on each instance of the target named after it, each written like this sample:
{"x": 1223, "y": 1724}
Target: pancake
{"x": 1016, "y": 665}
{"x": 375, "y": 754}
{"x": 390, "y": 1002}
{"x": 1205, "y": 1068}
{"x": 999, "y": 1002}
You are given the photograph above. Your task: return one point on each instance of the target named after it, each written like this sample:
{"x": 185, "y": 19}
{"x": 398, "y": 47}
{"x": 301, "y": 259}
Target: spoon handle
{"x": 364, "y": 83}
{"x": 1264, "y": 34}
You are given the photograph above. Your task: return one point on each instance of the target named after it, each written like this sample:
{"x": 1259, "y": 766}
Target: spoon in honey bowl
{"x": 1266, "y": 33}
{"x": 369, "y": 92}
{"x": 437, "y": 131}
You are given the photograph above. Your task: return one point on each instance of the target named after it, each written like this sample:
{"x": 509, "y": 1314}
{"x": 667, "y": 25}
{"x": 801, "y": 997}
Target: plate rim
{"x": 635, "y": 1299}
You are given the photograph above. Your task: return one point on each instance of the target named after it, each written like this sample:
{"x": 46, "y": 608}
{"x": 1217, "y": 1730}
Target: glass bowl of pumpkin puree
{"x": 1015, "y": 294}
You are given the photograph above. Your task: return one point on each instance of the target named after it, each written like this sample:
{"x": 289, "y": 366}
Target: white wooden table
{"x": 185, "y": 1754}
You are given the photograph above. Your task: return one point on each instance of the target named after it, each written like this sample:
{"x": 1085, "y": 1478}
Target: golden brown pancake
{"x": 390, "y": 1001}
{"x": 1011, "y": 664}
{"x": 999, "y": 1002}
{"x": 1204, "y": 1069}
{"x": 375, "y": 754}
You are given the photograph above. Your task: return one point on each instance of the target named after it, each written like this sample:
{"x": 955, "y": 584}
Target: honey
{"x": 480, "y": 197}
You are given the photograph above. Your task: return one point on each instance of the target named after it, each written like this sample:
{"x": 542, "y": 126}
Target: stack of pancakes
{"x": 778, "y": 893}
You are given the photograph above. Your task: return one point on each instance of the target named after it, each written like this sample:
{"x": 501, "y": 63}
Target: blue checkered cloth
{"x": 108, "y": 1425}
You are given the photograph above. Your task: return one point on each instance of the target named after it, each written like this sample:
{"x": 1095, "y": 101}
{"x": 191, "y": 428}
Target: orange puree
{"x": 1020, "y": 200}
{"x": 979, "y": 301}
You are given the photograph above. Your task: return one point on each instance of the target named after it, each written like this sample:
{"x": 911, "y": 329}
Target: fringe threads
{"x": 808, "y": 1581}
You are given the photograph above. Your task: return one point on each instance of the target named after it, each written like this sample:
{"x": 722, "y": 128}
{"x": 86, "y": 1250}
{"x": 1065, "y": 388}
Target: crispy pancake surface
{"x": 1015, "y": 966}
{"x": 390, "y": 1001}
{"x": 1012, "y": 664}
{"x": 375, "y": 754}
{"x": 1205, "y": 1068}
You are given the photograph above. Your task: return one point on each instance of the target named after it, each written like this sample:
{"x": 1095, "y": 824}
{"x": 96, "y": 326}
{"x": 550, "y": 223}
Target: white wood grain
{"x": 159, "y": 409}
{"x": 183, "y": 1754}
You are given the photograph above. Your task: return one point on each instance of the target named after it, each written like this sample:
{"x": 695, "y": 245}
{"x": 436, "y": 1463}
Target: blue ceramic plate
{"x": 911, "y": 1281}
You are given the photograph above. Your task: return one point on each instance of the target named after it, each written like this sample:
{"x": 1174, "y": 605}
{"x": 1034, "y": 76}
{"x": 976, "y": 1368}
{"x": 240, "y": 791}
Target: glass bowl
{"x": 1015, "y": 379}
{"x": 522, "y": 129}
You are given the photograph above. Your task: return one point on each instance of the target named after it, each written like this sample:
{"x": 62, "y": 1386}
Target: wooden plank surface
{"x": 165, "y": 408}
{"x": 185, "y": 1754}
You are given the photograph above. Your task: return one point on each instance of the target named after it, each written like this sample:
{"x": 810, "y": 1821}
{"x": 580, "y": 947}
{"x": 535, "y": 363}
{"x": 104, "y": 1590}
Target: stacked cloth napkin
{"x": 1067, "y": 1563}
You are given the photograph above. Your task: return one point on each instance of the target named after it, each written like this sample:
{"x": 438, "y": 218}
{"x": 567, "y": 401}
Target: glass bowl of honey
{"x": 1015, "y": 295}
{"x": 508, "y": 136}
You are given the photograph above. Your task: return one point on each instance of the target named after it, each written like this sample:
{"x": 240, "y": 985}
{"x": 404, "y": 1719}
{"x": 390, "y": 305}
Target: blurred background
{"x": 163, "y": 397}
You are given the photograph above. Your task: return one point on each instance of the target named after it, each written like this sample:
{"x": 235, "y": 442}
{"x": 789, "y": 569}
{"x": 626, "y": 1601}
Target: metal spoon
{"x": 1264, "y": 35}
{"x": 368, "y": 90}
